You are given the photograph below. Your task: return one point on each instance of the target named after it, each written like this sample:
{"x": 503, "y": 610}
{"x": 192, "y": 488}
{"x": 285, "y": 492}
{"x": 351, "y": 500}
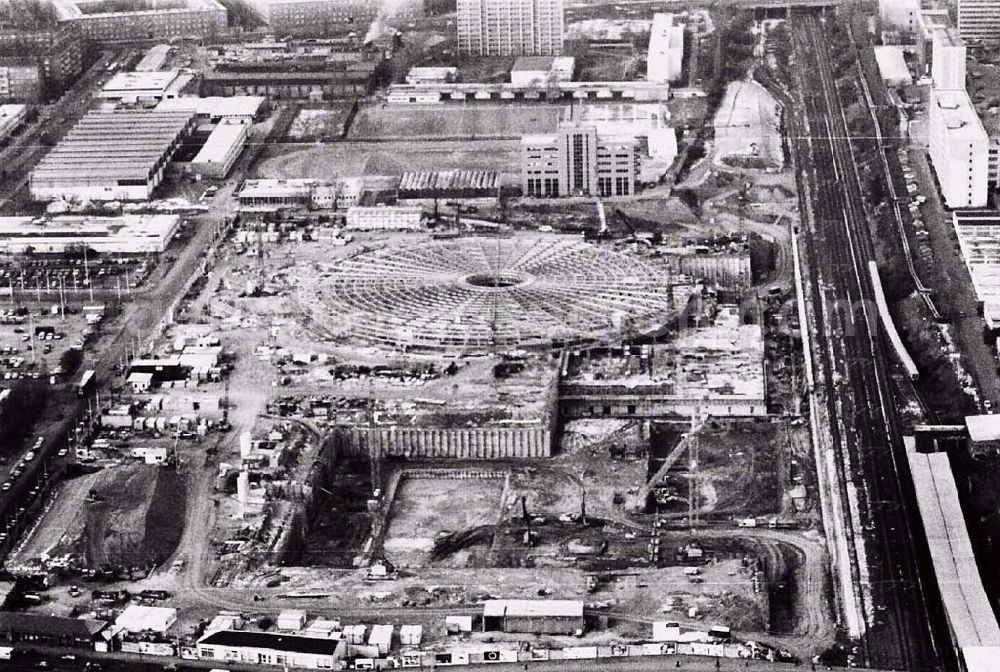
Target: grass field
{"x": 312, "y": 124}
{"x": 388, "y": 158}
{"x": 453, "y": 121}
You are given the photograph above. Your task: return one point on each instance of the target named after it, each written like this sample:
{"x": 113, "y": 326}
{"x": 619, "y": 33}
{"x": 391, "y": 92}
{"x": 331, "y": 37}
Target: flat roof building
{"x": 979, "y": 241}
{"x": 217, "y": 108}
{"x": 431, "y": 75}
{"x": 319, "y": 85}
{"x": 948, "y": 55}
{"x": 552, "y": 617}
{"x": 958, "y": 148}
{"x": 892, "y": 65}
{"x": 575, "y": 160}
{"x": 269, "y": 648}
{"x": 11, "y": 116}
{"x": 317, "y": 17}
{"x": 979, "y": 20}
{"x": 510, "y": 28}
{"x": 21, "y": 80}
{"x": 50, "y": 630}
{"x": 56, "y": 51}
{"x": 460, "y": 92}
{"x": 107, "y": 156}
{"x": 104, "y": 20}
{"x": 220, "y": 151}
{"x": 666, "y": 49}
{"x": 127, "y": 234}
{"x": 135, "y": 87}
{"x": 154, "y": 59}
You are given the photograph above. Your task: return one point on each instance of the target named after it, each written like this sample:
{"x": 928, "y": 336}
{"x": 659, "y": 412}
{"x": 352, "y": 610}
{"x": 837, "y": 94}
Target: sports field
{"x": 453, "y": 121}
{"x": 344, "y": 159}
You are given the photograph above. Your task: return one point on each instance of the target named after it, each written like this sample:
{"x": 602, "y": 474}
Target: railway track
{"x": 902, "y": 620}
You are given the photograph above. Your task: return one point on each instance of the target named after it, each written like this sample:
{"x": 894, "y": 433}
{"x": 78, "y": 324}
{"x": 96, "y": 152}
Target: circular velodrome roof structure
{"x": 475, "y": 294}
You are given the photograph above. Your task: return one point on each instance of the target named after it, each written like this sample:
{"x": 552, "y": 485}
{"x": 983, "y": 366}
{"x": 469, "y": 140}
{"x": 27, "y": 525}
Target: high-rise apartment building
{"x": 979, "y": 20}
{"x": 54, "y": 51}
{"x": 948, "y": 54}
{"x": 317, "y": 17}
{"x": 510, "y": 27}
{"x": 576, "y": 161}
{"x": 959, "y": 149}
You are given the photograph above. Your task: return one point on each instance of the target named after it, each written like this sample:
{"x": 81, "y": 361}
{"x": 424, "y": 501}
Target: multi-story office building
{"x": 576, "y": 161}
{"x": 317, "y": 17}
{"x": 666, "y": 49}
{"x": 54, "y": 50}
{"x": 979, "y": 20}
{"x": 510, "y": 27}
{"x": 948, "y": 52}
{"x": 959, "y": 149}
{"x": 104, "y": 21}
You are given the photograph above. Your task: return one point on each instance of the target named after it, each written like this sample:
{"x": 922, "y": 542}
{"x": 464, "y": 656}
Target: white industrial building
{"x": 892, "y": 65}
{"x": 273, "y": 194}
{"x": 948, "y": 55}
{"x": 959, "y": 149}
{"x": 220, "y": 151}
{"x": 979, "y": 20}
{"x": 11, "y": 116}
{"x": 154, "y": 59}
{"x": 269, "y": 648}
{"x": 898, "y": 14}
{"x": 666, "y": 49}
{"x": 431, "y": 75}
{"x": 385, "y": 218}
{"x": 541, "y": 70}
{"x": 510, "y": 28}
{"x": 140, "y": 618}
{"x": 128, "y": 234}
{"x": 145, "y": 87}
{"x": 979, "y": 241}
{"x": 111, "y": 156}
{"x": 244, "y": 109}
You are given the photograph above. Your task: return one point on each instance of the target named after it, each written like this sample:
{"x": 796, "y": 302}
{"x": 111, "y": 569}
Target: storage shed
{"x": 553, "y": 617}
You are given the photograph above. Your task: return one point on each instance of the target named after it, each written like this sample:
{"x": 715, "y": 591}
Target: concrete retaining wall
{"x": 484, "y": 443}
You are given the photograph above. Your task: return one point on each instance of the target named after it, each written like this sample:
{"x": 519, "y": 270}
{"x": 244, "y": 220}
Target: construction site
{"x": 377, "y": 407}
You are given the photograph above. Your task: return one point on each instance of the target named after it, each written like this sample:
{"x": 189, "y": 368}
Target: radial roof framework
{"x": 482, "y": 294}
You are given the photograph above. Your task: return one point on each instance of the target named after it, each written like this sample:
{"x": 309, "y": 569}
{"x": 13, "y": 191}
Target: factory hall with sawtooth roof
{"x": 111, "y": 156}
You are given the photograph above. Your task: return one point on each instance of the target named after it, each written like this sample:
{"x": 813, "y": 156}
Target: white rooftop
{"x": 222, "y": 139}
{"x": 215, "y": 106}
{"x": 141, "y": 81}
{"x": 528, "y": 608}
{"x": 892, "y": 65}
{"x": 979, "y": 241}
{"x": 138, "y": 618}
{"x": 959, "y": 116}
{"x": 983, "y": 427}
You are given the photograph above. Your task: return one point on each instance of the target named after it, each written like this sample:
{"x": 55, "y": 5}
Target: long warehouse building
{"x": 109, "y": 156}
{"x": 971, "y": 620}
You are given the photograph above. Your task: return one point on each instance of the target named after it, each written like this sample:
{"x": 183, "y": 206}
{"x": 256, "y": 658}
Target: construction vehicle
{"x": 381, "y": 570}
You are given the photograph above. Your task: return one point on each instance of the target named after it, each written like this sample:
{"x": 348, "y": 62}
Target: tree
{"x": 70, "y": 360}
